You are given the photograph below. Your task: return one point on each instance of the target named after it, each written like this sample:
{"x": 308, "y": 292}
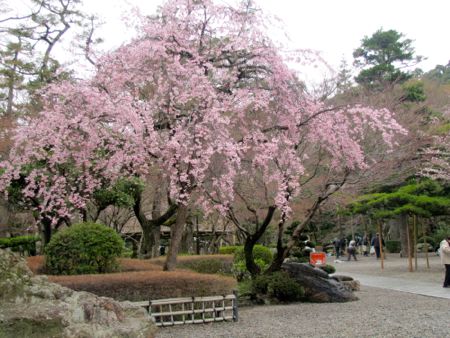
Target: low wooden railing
{"x": 192, "y": 310}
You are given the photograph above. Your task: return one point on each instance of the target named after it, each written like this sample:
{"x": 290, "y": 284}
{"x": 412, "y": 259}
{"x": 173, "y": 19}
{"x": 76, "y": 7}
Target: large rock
{"x": 33, "y": 307}
{"x": 319, "y": 287}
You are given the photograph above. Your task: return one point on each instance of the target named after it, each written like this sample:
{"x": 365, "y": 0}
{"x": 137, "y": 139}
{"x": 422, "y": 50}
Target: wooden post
{"x": 408, "y": 238}
{"x": 235, "y": 306}
{"x": 415, "y": 242}
{"x": 380, "y": 239}
{"x": 426, "y": 244}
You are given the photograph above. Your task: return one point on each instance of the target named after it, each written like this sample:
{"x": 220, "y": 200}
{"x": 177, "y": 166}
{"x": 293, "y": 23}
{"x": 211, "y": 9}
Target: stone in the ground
{"x": 319, "y": 287}
{"x": 33, "y": 307}
{"x": 348, "y": 281}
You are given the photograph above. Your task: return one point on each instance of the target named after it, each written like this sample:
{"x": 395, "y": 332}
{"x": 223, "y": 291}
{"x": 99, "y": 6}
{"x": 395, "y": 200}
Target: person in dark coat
{"x": 337, "y": 247}
{"x": 376, "y": 244}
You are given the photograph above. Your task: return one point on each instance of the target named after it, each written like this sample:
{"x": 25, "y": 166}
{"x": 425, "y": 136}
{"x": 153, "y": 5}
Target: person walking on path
{"x": 445, "y": 260}
{"x": 376, "y": 244}
{"x": 337, "y": 247}
{"x": 366, "y": 246}
{"x": 352, "y": 250}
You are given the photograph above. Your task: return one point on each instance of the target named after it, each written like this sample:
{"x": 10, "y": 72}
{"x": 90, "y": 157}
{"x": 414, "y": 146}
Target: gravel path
{"x": 377, "y": 313}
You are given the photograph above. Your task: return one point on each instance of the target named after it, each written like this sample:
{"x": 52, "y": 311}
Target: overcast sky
{"x": 334, "y": 27}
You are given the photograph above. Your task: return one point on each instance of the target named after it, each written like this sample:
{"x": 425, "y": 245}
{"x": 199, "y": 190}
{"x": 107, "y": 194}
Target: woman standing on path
{"x": 352, "y": 250}
{"x": 445, "y": 260}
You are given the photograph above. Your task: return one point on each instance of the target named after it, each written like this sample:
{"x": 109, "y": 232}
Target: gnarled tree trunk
{"x": 176, "y": 233}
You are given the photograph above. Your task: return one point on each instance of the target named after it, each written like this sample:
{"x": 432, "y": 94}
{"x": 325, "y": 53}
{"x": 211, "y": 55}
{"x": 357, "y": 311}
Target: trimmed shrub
{"x": 83, "y": 248}
{"x": 20, "y": 243}
{"x": 229, "y": 249}
{"x": 214, "y": 266}
{"x": 329, "y": 269}
{"x": 393, "y": 246}
{"x": 145, "y": 285}
{"x": 429, "y": 240}
{"x": 143, "y": 280}
{"x": 279, "y": 286}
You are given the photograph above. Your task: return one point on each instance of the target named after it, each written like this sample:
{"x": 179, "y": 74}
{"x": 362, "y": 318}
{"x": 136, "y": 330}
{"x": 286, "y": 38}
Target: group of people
{"x": 362, "y": 243}
{"x": 341, "y": 244}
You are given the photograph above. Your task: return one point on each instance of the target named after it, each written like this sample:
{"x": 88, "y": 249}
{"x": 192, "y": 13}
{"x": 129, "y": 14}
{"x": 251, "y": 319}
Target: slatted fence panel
{"x": 192, "y": 310}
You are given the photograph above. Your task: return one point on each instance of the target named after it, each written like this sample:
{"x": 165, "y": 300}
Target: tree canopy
{"x": 425, "y": 198}
{"x": 203, "y": 95}
{"x": 382, "y": 57}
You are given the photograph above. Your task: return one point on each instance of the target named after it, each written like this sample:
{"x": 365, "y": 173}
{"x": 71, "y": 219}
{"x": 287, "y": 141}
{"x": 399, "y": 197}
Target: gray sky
{"x": 334, "y": 27}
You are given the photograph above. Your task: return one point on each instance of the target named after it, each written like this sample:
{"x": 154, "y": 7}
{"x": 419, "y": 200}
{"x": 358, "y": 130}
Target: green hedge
{"x": 208, "y": 265}
{"x": 84, "y": 248}
{"x": 229, "y": 249}
{"x": 393, "y": 246}
{"x": 20, "y": 243}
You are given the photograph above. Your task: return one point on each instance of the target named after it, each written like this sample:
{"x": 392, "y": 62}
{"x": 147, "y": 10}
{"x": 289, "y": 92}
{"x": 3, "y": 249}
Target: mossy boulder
{"x": 33, "y": 307}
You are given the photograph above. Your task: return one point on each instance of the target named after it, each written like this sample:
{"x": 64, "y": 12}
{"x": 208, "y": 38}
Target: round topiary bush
{"x": 83, "y": 248}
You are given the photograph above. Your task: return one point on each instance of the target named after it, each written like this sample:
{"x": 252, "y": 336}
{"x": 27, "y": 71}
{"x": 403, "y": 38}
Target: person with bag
{"x": 445, "y": 260}
{"x": 376, "y": 245}
{"x": 351, "y": 250}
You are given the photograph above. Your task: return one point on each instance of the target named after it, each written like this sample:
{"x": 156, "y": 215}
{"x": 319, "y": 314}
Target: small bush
{"x": 284, "y": 288}
{"x": 261, "y": 254}
{"x": 329, "y": 269}
{"x": 260, "y": 284}
{"x": 279, "y": 286}
{"x": 229, "y": 249}
{"x": 20, "y": 243}
{"x": 83, "y": 248}
{"x": 428, "y": 239}
{"x": 393, "y": 246}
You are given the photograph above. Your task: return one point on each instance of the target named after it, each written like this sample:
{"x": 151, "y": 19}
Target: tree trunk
{"x": 187, "y": 239}
{"x": 156, "y": 235}
{"x": 151, "y": 229}
{"x": 250, "y": 264}
{"x": 145, "y": 250}
{"x": 176, "y": 233}
{"x": 46, "y": 231}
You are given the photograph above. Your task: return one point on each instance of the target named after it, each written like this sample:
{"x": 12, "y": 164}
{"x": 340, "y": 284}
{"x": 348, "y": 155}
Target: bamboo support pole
{"x": 380, "y": 238}
{"x": 426, "y": 244}
{"x": 415, "y": 242}
{"x": 408, "y": 238}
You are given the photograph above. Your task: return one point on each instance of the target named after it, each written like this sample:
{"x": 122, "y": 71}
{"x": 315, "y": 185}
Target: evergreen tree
{"x": 381, "y": 58}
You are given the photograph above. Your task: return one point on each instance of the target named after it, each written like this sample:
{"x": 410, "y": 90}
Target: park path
{"x": 395, "y": 275}
{"x": 430, "y": 289}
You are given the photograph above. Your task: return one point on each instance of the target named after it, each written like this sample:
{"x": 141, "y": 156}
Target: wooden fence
{"x": 192, "y": 310}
